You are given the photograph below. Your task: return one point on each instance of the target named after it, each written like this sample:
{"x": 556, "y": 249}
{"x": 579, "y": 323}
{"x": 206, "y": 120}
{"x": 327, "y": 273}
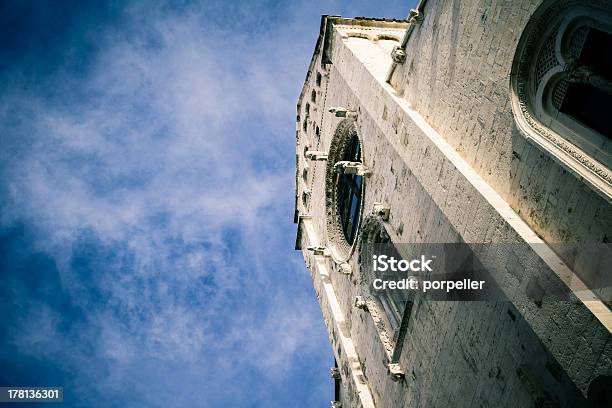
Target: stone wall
{"x": 456, "y": 75}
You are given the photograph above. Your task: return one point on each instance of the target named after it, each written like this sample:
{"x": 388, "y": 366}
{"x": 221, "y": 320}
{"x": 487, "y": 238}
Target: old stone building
{"x": 483, "y": 122}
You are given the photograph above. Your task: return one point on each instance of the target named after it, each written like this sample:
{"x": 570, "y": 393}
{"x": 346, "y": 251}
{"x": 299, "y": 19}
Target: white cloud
{"x": 156, "y": 155}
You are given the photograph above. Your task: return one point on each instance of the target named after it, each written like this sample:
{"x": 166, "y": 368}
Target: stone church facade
{"x": 477, "y": 122}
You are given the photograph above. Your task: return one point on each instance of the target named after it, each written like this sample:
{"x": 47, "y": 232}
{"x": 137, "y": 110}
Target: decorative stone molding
{"x": 375, "y": 231}
{"x": 318, "y": 250}
{"x": 341, "y": 250}
{"x": 396, "y": 371}
{"x": 372, "y": 230}
{"x": 565, "y": 146}
{"x": 361, "y": 303}
{"x": 334, "y": 373}
{"x": 381, "y": 210}
{"x": 336, "y": 404}
{"x": 316, "y": 155}
{"x": 341, "y": 112}
{"x": 398, "y": 55}
{"x": 348, "y": 167}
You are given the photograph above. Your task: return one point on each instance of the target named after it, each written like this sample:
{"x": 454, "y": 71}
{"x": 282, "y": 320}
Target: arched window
{"x": 573, "y": 79}
{"x": 584, "y": 90}
{"x": 393, "y": 306}
{"x": 313, "y": 96}
{"x": 394, "y": 302}
{"x": 562, "y": 76}
{"x": 318, "y": 79}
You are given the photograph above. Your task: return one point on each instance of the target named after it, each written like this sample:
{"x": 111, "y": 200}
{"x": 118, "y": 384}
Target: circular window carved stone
{"x": 341, "y": 248}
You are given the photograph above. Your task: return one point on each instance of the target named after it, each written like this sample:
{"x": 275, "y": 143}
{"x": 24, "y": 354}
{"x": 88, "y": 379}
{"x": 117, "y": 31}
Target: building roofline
{"x": 323, "y": 45}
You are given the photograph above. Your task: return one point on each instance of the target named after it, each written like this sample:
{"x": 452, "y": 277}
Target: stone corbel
{"x": 361, "y": 303}
{"x": 349, "y": 167}
{"x": 398, "y": 55}
{"x": 318, "y": 250}
{"x": 341, "y": 112}
{"x": 334, "y": 373}
{"x": 381, "y": 210}
{"x": 316, "y": 155}
{"x": 336, "y": 404}
{"x": 415, "y": 16}
{"x": 396, "y": 372}
{"x": 346, "y": 268}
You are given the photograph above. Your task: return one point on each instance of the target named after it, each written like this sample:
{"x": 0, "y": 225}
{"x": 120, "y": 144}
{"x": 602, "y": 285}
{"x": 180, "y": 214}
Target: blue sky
{"x": 146, "y": 202}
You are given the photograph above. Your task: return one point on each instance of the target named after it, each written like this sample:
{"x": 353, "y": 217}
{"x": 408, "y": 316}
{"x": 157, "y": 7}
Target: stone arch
{"x": 355, "y": 34}
{"x": 372, "y": 232}
{"x": 387, "y": 37}
{"x": 545, "y": 65}
{"x": 390, "y": 309}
